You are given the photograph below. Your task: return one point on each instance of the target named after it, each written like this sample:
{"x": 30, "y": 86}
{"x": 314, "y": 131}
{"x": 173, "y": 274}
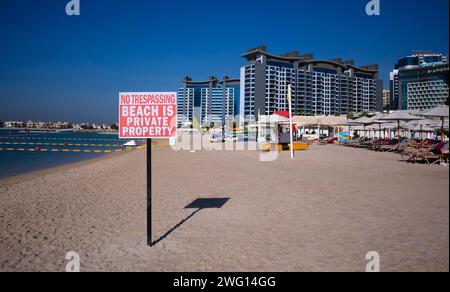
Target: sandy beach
{"x": 322, "y": 212}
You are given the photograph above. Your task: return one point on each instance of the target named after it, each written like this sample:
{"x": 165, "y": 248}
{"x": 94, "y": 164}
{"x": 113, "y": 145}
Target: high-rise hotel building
{"x": 386, "y": 99}
{"x": 419, "y": 82}
{"x": 319, "y": 87}
{"x": 211, "y": 101}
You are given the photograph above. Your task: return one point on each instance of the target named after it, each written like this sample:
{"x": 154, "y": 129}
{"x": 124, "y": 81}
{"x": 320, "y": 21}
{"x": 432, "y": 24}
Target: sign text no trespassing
{"x": 147, "y": 115}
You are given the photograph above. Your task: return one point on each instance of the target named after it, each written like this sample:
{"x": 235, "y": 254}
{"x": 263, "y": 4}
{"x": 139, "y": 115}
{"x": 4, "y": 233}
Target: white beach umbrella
{"x": 345, "y": 123}
{"x": 394, "y": 127}
{"x": 421, "y": 126}
{"x": 441, "y": 112}
{"x": 363, "y": 121}
{"x": 414, "y": 112}
{"x": 437, "y": 125}
{"x": 399, "y": 117}
{"x": 421, "y": 122}
{"x": 376, "y": 120}
{"x": 438, "y": 112}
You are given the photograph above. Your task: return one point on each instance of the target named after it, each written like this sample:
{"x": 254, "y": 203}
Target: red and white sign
{"x": 147, "y": 115}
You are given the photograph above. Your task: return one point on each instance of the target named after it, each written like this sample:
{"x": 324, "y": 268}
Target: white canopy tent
{"x": 317, "y": 122}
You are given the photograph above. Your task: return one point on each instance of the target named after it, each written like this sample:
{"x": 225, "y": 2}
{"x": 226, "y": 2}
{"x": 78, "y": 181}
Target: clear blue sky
{"x": 55, "y": 67}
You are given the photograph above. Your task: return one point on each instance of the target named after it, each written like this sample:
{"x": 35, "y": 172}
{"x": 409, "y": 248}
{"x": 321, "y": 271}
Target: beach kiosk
{"x": 274, "y": 133}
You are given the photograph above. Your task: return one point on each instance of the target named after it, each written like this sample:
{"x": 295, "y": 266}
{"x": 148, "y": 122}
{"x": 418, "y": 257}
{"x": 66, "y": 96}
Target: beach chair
{"x": 445, "y": 157}
{"x": 362, "y": 143}
{"x": 392, "y": 146}
{"x": 410, "y": 151}
{"x": 431, "y": 157}
{"x": 378, "y": 144}
{"x": 367, "y": 144}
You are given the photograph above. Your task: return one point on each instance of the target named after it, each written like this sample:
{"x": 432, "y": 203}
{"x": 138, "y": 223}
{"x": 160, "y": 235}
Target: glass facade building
{"x": 419, "y": 82}
{"x": 207, "y": 102}
{"x": 319, "y": 87}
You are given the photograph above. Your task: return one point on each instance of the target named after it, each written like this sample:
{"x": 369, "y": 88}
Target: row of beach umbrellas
{"x": 418, "y": 122}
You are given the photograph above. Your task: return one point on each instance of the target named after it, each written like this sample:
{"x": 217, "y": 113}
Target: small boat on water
{"x": 131, "y": 143}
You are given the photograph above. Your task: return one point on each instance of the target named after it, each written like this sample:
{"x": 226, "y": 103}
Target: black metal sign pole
{"x": 149, "y": 192}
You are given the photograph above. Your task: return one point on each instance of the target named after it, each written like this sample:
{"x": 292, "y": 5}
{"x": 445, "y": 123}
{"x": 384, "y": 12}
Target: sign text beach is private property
{"x": 147, "y": 115}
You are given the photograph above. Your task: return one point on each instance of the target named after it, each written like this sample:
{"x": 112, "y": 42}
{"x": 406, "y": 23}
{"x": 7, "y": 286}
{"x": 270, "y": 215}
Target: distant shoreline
{"x": 46, "y": 130}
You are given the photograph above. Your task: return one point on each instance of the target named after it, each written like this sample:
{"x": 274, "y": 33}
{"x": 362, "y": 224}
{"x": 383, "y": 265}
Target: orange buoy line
{"x": 59, "y": 144}
{"x": 61, "y": 138}
{"x": 77, "y": 150}
{"x": 70, "y": 150}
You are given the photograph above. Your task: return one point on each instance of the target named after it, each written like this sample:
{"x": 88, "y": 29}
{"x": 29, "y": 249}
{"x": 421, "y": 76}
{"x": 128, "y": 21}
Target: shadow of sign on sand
{"x": 198, "y": 204}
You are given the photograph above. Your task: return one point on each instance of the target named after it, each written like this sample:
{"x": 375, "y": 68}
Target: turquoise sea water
{"x": 14, "y": 162}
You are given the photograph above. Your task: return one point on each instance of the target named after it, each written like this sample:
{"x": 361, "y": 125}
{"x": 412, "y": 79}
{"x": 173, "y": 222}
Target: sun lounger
{"x": 394, "y": 146}
{"x": 438, "y": 154}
